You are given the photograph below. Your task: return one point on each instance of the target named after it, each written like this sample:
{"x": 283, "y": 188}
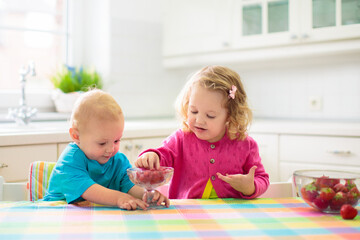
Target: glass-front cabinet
{"x": 196, "y": 30}
{"x": 282, "y": 22}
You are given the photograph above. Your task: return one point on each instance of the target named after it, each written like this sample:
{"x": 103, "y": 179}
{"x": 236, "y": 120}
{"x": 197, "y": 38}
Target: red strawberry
{"x": 353, "y": 196}
{"x": 348, "y": 212}
{"x": 325, "y": 181}
{"x": 157, "y": 177}
{"x": 309, "y": 192}
{"x": 327, "y": 193}
{"x": 355, "y": 191}
{"x": 321, "y": 203}
{"x": 340, "y": 188}
{"x": 350, "y": 184}
{"x": 338, "y": 200}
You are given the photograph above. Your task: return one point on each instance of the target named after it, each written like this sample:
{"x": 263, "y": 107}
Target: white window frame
{"x": 41, "y": 99}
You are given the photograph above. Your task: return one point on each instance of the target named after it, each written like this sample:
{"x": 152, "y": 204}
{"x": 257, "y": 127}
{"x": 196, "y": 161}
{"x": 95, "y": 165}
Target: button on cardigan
{"x": 191, "y": 159}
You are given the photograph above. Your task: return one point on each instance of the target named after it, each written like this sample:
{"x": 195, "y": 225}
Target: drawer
{"x": 15, "y": 160}
{"x": 287, "y": 169}
{"x": 343, "y": 151}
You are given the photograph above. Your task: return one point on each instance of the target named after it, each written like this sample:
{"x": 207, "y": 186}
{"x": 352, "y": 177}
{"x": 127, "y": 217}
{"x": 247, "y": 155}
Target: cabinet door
{"x": 265, "y": 23}
{"x": 61, "y": 147}
{"x": 330, "y": 19}
{"x": 268, "y": 149}
{"x": 15, "y": 160}
{"x": 339, "y": 151}
{"x": 196, "y": 26}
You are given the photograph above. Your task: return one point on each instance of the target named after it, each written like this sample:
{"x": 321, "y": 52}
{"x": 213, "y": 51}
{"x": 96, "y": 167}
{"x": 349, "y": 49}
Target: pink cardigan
{"x": 195, "y": 161}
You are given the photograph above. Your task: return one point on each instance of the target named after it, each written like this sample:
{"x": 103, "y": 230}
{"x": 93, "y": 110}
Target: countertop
{"x": 57, "y": 131}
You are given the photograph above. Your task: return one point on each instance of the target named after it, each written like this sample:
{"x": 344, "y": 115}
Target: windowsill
{"x": 40, "y": 117}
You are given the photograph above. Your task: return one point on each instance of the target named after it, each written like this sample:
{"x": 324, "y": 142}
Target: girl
{"x": 212, "y": 155}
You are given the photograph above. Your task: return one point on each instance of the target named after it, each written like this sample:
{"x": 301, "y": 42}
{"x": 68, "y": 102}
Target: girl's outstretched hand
{"x": 148, "y": 160}
{"x": 243, "y": 183}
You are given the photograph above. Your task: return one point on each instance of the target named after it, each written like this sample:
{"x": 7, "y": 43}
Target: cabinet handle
{"x": 340, "y": 152}
{"x": 138, "y": 146}
{"x": 128, "y": 147}
{"x": 304, "y": 36}
{"x": 293, "y": 36}
{"x": 226, "y": 44}
{"x": 3, "y": 165}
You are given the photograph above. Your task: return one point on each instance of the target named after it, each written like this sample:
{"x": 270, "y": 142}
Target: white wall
{"x": 128, "y": 52}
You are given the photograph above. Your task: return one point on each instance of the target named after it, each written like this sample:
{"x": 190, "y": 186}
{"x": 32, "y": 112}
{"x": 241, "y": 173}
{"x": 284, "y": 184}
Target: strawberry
{"x": 348, "y": 212}
{"x": 325, "y": 181}
{"x": 309, "y": 192}
{"x": 353, "y": 196}
{"x": 340, "y": 188}
{"x": 349, "y": 184}
{"x": 327, "y": 193}
{"x": 152, "y": 176}
{"x": 338, "y": 200}
{"x": 321, "y": 203}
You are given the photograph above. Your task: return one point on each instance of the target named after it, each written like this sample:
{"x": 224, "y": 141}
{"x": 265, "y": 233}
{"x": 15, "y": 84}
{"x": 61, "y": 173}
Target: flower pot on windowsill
{"x": 64, "y": 102}
{"x": 69, "y": 83}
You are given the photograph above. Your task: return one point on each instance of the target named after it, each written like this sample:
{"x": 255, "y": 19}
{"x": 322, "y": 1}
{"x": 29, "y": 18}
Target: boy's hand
{"x": 128, "y": 202}
{"x": 158, "y": 198}
{"x": 148, "y": 160}
{"x": 243, "y": 183}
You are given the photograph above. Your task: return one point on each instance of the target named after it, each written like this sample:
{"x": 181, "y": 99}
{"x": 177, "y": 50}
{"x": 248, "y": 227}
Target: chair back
{"x": 40, "y": 172}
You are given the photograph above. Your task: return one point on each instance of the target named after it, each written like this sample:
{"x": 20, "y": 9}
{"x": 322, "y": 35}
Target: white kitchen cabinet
{"x": 268, "y": 149}
{"x": 15, "y": 160}
{"x": 61, "y": 147}
{"x": 133, "y": 147}
{"x": 206, "y": 32}
{"x": 318, "y": 152}
{"x": 196, "y": 26}
{"x": 262, "y": 23}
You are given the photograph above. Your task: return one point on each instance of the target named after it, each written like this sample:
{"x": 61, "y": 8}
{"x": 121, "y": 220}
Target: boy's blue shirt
{"x": 74, "y": 173}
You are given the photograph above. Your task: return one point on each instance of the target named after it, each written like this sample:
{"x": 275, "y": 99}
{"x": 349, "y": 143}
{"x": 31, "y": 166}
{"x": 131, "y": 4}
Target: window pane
{"x": 278, "y": 17}
{"x": 17, "y": 48}
{"x": 35, "y": 14}
{"x": 31, "y": 31}
{"x": 324, "y": 13}
{"x": 350, "y": 12}
{"x": 252, "y": 19}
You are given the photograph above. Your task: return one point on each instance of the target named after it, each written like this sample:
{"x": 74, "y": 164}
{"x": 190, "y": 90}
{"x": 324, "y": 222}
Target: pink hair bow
{"x": 232, "y": 91}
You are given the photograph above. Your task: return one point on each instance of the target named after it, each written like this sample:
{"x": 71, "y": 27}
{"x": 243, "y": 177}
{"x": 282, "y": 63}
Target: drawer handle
{"x": 3, "y": 165}
{"x": 138, "y": 146}
{"x": 128, "y": 147}
{"x": 340, "y": 152}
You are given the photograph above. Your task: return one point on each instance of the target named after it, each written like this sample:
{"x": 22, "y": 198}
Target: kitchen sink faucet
{"x": 23, "y": 114}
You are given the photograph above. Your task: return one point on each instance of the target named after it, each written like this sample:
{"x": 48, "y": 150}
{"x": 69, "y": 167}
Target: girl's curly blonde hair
{"x": 220, "y": 79}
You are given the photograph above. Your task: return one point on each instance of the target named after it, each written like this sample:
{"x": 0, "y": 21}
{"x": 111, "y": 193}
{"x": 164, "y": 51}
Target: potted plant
{"x": 69, "y": 83}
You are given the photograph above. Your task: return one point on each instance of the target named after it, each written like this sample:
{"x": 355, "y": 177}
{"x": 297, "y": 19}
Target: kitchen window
{"x": 38, "y": 31}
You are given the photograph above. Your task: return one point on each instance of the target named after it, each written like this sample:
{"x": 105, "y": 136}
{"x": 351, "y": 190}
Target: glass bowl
{"x": 150, "y": 179}
{"x": 327, "y": 190}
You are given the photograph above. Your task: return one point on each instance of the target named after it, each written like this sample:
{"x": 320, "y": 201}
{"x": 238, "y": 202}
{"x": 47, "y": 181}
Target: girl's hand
{"x": 126, "y": 201}
{"x": 243, "y": 183}
{"x": 148, "y": 160}
{"x": 158, "y": 198}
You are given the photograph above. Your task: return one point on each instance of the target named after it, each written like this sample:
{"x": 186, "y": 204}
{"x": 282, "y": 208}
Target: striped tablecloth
{"x": 263, "y": 218}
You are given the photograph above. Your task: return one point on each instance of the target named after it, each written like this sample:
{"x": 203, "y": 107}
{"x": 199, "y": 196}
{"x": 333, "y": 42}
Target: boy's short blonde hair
{"x": 220, "y": 79}
{"x": 94, "y": 104}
